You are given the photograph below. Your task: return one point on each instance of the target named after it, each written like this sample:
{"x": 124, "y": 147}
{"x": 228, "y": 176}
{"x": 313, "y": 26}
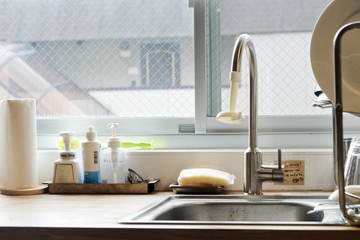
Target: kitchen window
{"x": 160, "y": 67}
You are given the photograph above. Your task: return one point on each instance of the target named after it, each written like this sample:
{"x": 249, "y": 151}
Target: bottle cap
{"x": 67, "y": 140}
{"x": 113, "y": 142}
{"x": 91, "y": 134}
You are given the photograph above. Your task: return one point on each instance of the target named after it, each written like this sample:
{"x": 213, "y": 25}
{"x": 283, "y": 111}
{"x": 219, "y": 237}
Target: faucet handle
{"x": 273, "y": 166}
{"x": 279, "y": 159}
{"x": 278, "y": 173}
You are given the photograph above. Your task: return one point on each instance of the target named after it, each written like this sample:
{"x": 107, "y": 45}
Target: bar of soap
{"x": 205, "y": 176}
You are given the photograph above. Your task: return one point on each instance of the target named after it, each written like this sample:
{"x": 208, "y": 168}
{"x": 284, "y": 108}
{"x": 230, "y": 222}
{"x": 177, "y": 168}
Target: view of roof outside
{"x": 126, "y": 58}
{"x": 281, "y": 31}
{"x": 135, "y": 58}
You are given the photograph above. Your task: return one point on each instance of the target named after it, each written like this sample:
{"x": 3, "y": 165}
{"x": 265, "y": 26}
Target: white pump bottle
{"x": 113, "y": 168}
{"x": 67, "y": 169}
{"x": 91, "y": 152}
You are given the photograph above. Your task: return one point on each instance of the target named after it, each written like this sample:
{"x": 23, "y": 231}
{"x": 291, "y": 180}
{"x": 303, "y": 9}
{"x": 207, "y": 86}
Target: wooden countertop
{"x": 56, "y": 216}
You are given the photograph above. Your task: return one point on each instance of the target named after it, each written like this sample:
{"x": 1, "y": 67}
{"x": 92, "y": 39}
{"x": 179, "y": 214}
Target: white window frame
{"x": 306, "y": 131}
{"x": 303, "y": 131}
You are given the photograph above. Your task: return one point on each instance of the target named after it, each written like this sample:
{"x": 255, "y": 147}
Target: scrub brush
{"x": 137, "y": 145}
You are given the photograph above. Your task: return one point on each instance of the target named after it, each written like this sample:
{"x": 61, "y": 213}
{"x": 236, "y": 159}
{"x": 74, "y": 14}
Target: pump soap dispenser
{"x": 67, "y": 169}
{"x": 91, "y": 152}
{"x": 113, "y": 167}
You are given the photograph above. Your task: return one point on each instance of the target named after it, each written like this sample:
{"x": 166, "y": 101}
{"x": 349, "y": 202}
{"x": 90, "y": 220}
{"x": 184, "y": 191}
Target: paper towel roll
{"x": 18, "y": 146}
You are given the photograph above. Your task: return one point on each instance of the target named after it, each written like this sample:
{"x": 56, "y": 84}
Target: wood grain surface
{"x": 74, "y": 216}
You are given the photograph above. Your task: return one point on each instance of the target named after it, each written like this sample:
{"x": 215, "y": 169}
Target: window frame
{"x": 173, "y": 50}
{"x": 297, "y": 131}
{"x": 317, "y": 128}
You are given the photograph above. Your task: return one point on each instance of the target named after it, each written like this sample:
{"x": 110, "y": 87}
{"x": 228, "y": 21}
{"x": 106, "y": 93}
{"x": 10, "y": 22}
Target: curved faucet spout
{"x": 245, "y": 42}
{"x": 255, "y": 173}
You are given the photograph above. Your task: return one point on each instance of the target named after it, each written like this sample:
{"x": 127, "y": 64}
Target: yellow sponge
{"x": 205, "y": 176}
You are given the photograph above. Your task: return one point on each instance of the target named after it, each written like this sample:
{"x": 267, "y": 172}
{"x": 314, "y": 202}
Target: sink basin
{"x": 238, "y": 209}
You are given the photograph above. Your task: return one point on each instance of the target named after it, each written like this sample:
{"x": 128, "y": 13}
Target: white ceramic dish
{"x": 353, "y": 189}
{"x": 337, "y": 14}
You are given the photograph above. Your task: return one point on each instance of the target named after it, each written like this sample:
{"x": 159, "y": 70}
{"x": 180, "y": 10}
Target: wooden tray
{"x": 92, "y": 188}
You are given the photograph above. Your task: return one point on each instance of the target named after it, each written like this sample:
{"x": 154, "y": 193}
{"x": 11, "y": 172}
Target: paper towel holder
{"x": 19, "y": 169}
{"x": 42, "y": 188}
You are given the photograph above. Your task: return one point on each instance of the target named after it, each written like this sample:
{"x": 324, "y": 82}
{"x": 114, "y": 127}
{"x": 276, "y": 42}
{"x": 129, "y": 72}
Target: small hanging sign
{"x": 294, "y": 173}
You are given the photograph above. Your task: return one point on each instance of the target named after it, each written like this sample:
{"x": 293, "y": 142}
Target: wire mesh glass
{"x": 281, "y": 31}
{"x": 123, "y": 58}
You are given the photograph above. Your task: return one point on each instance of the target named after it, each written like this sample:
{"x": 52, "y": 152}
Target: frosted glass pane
{"x": 122, "y": 58}
{"x": 281, "y": 31}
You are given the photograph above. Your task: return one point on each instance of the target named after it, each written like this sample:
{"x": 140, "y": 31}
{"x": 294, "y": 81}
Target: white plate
{"x": 337, "y": 14}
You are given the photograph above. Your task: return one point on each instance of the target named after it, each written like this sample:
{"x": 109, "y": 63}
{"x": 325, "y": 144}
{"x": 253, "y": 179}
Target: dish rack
{"x": 338, "y": 121}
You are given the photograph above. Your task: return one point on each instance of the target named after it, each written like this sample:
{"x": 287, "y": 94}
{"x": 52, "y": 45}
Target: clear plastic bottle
{"x": 91, "y": 151}
{"x": 113, "y": 168}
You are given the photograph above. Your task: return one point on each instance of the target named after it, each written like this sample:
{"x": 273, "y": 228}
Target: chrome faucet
{"x": 255, "y": 173}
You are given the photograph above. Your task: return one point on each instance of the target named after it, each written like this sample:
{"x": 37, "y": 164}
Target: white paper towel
{"x": 18, "y": 146}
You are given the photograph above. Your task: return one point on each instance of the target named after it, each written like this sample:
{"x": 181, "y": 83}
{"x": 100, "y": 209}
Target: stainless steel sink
{"x": 238, "y": 209}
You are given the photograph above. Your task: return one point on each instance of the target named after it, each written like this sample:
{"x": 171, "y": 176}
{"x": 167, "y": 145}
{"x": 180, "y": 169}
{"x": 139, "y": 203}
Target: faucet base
{"x": 256, "y": 174}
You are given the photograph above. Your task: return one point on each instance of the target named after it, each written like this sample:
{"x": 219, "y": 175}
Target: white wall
{"x": 166, "y": 166}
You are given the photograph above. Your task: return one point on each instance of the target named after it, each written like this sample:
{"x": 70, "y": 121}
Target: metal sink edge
{"x": 148, "y": 214}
